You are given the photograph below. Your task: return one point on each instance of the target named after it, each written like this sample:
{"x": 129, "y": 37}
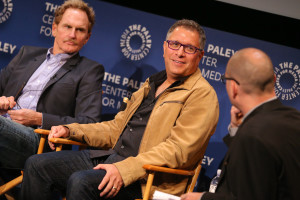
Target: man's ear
{"x": 201, "y": 54}
{"x": 54, "y": 29}
{"x": 234, "y": 88}
{"x": 87, "y": 38}
{"x": 164, "y": 47}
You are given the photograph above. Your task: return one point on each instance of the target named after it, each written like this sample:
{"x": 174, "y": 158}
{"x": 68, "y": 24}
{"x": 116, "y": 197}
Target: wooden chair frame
{"x": 151, "y": 169}
{"x": 44, "y": 134}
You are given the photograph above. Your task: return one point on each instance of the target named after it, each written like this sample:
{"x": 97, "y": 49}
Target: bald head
{"x": 253, "y": 69}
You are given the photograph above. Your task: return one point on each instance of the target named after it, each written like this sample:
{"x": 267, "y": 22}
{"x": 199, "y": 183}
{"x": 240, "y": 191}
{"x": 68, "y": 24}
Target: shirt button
{"x": 130, "y": 130}
{"x": 122, "y": 147}
{"x": 141, "y": 119}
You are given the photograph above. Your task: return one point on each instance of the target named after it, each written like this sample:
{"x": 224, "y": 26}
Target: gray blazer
{"x": 73, "y": 94}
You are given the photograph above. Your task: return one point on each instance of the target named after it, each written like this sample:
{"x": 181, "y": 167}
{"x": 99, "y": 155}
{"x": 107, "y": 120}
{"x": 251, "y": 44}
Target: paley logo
{"x": 135, "y": 42}
{"x": 287, "y": 85}
{"x": 6, "y": 7}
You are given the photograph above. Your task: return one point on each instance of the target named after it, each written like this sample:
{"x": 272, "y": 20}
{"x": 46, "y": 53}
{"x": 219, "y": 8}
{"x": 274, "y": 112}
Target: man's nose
{"x": 180, "y": 51}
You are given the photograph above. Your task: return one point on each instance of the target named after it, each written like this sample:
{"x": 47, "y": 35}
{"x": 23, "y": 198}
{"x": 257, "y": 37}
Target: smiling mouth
{"x": 176, "y": 61}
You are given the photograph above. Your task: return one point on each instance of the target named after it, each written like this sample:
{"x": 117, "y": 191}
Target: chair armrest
{"x": 42, "y": 131}
{"x": 58, "y": 140}
{"x": 66, "y": 141}
{"x": 169, "y": 170}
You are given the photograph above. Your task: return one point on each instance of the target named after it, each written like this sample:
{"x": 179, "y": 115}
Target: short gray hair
{"x": 190, "y": 25}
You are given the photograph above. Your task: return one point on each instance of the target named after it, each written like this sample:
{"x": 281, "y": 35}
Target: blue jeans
{"x": 72, "y": 174}
{"x": 17, "y": 143}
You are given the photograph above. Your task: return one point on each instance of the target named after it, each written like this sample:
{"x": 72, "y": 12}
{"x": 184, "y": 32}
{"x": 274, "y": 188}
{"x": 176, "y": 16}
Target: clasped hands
{"x": 25, "y": 117}
{"x": 112, "y": 181}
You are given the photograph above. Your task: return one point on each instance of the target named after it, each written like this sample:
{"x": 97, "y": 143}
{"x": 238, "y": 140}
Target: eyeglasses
{"x": 175, "y": 45}
{"x": 223, "y": 79}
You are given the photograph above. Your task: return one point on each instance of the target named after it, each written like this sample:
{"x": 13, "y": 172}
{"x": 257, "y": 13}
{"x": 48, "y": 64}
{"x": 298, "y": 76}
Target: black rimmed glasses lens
{"x": 224, "y": 78}
{"x": 175, "y": 45}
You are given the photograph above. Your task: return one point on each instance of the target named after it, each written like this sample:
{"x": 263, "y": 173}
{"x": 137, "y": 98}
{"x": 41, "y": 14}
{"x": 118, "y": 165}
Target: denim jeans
{"x": 72, "y": 174}
{"x": 17, "y": 143}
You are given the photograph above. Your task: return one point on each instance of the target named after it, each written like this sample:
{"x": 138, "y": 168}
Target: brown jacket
{"x": 176, "y": 136}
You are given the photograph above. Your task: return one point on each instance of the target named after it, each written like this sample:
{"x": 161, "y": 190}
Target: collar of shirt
{"x": 249, "y": 112}
{"x": 61, "y": 57}
{"x": 160, "y": 77}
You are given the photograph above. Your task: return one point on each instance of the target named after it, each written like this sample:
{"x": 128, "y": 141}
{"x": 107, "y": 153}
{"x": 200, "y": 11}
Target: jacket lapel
{"x": 32, "y": 67}
{"x": 68, "y": 66}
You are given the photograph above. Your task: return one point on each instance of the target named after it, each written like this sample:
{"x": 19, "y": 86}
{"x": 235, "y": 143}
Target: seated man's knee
{"x": 76, "y": 179}
{"x": 31, "y": 162}
{"x": 86, "y": 181}
{"x": 35, "y": 163}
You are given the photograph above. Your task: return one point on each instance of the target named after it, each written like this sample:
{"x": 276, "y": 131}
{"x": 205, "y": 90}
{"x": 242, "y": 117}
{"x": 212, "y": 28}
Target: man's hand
{"x": 6, "y": 103}
{"x": 191, "y": 196}
{"x": 26, "y": 117}
{"x": 236, "y": 117}
{"x": 58, "y": 132}
{"x": 112, "y": 181}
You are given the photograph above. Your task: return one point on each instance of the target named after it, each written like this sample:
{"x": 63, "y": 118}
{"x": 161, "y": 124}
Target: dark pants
{"x": 17, "y": 143}
{"x": 72, "y": 174}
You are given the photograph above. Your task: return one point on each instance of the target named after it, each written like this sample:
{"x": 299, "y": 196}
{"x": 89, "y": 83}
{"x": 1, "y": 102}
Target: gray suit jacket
{"x": 73, "y": 94}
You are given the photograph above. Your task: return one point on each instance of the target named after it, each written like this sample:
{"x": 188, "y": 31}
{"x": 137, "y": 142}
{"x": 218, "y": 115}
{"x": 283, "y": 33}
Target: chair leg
{"x": 42, "y": 143}
{"x": 59, "y": 147}
{"x": 148, "y": 185}
{"x": 11, "y": 184}
{"x": 9, "y": 197}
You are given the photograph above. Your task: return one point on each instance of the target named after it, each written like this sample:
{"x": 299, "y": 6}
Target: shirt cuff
{"x": 232, "y": 130}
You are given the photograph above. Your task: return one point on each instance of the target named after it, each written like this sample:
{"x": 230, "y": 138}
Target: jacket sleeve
{"x": 216, "y": 196}
{"x": 109, "y": 130}
{"x": 246, "y": 177}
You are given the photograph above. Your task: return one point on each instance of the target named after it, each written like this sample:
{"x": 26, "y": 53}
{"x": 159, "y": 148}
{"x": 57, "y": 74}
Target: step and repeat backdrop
{"x": 129, "y": 43}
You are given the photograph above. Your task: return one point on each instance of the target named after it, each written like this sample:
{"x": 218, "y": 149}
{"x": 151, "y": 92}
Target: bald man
{"x": 263, "y": 159}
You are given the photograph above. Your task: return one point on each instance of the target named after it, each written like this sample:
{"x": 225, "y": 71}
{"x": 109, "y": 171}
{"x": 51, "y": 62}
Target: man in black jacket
{"x": 46, "y": 87}
{"x": 262, "y": 161}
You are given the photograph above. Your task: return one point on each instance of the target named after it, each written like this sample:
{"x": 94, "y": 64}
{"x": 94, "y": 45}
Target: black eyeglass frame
{"x": 224, "y": 78}
{"x": 184, "y": 46}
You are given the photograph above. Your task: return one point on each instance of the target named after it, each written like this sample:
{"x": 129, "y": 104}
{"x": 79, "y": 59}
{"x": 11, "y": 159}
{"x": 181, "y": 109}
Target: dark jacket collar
{"x": 266, "y": 107}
